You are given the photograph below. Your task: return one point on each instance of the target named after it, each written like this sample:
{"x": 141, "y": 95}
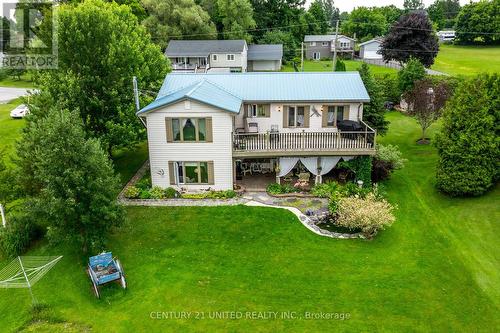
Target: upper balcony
{"x": 304, "y": 143}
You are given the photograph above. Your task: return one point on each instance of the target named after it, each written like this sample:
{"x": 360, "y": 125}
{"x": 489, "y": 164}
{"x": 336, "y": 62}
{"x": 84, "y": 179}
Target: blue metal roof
{"x": 202, "y": 91}
{"x": 223, "y": 89}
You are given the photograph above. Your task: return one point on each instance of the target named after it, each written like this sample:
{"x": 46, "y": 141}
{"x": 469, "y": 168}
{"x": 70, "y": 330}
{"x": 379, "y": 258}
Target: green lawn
{"x": 128, "y": 161}
{"x": 467, "y": 60}
{"x": 24, "y": 82}
{"x": 10, "y": 129}
{"x": 326, "y": 66}
{"x": 436, "y": 269}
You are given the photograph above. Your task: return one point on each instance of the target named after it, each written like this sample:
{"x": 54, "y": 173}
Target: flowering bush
{"x": 392, "y": 155}
{"x": 301, "y": 184}
{"x": 369, "y": 214}
{"x": 132, "y": 192}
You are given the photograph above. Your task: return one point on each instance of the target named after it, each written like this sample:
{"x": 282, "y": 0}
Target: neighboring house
{"x": 266, "y": 57}
{"x": 206, "y": 55}
{"x": 446, "y": 35}
{"x": 370, "y": 49}
{"x": 323, "y": 46}
{"x": 217, "y": 130}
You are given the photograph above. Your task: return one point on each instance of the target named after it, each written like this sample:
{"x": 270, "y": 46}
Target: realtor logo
{"x": 28, "y": 35}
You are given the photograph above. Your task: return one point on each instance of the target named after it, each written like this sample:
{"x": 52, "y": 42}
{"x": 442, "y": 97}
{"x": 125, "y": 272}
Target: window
{"x": 330, "y": 119}
{"x": 192, "y": 172}
{"x": 334, "y": 114}
{"x": 344, "y": 45}
{"x": 230, "y": 57}
{"x": 324, "y": 43}
{"x": 340, "y": 113}
{"x": 189, "y": 129}
{"x": 214, "y": 57}
{"x": 316, "y": 55}
{"x": 256, "y": 110}
{"x": 296, "y": 116}
{"x": 312, "y": 44}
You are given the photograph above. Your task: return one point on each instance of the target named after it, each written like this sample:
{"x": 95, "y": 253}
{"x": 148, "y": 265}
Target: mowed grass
{"x": 24, "y": 82}
{"x": 10, "y": 129}
{"x": 326, "y": 66}
{"x": 467, "y": 60}
{"x": 436, "y": 269}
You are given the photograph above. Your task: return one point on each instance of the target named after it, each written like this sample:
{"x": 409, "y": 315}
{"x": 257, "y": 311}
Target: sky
{"x": 348, "y": 5}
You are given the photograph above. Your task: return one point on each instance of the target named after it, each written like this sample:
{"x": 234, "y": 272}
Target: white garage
{"x": 369, "y": 49}
{"x": 264, "y": 57}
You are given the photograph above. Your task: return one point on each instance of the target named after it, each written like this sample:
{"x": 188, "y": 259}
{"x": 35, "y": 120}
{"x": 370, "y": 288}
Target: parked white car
{"x": 20, "y": 111}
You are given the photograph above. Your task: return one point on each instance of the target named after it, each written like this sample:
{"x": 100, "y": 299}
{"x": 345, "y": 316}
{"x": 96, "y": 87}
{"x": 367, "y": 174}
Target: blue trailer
{"x": 103, "y": 269}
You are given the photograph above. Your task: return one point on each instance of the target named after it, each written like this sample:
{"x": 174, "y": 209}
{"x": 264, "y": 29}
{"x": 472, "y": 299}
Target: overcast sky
{"x": 348, "y": 5}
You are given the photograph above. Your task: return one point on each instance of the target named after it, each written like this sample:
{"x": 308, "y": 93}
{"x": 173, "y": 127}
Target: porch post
{"x": 319, "y": 178}
{"x": 234, "y": 172}
{"x": 276, "y": 168}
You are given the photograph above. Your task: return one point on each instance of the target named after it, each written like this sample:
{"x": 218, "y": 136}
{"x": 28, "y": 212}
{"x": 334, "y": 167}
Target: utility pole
{"x": 136, "y": 94}
{"x": 2, "y": 213}
{"x": 335, "y": 45}
{"x": 302, "y": 56}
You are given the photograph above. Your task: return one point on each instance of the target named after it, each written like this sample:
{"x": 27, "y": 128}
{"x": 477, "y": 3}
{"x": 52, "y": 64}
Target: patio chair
{"x": 245, "y": 168}
{"x": 266, "y": 168}
{"x": 256, "y": 167}
{"x": 304, "y": 176}
{"x": 288, "y": 177}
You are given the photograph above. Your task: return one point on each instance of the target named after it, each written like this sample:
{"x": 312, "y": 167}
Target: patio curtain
{"x": 347, "y": 158}
{"x": 286, "y": 165}
{"x": 311, "y": 164}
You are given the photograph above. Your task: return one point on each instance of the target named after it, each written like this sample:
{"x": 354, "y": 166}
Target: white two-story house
{"x": 217, "y": 130}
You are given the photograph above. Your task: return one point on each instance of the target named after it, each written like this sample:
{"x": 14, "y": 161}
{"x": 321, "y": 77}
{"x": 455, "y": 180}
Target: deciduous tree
{"x": 425, "y": 103}
{"x": 479, "y": 22}
{"x": 236, "y": 17}
{"x": 101, "y": 47}
{"x": 411, "y": 36}
{"x": 412, "y": 72}
{"x": 365, "y": 23}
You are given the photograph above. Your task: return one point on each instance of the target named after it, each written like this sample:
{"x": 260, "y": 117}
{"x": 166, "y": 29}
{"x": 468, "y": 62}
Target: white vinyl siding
{"x": 219, "y": 151}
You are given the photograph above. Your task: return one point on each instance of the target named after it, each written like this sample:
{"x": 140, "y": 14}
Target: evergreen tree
{"x": 68, "y": 180}
{"x": 468, "y": 145}
{"x": 373, "y": 112}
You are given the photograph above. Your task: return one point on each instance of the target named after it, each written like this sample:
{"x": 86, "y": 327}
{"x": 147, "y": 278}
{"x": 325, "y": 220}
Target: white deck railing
{"x": 305, "y": 141}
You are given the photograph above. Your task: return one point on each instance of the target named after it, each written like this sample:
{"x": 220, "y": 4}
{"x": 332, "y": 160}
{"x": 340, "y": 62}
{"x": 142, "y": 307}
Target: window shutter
{"x": 171, "y": 173}
{"x": 324, "y": 116}
{"x": 307, "y": 116}
{"x": 168, "y": 129}
{"x": 210, "y": 169}
{"x": 267, "y": 110}
{"x": 285, "y": 116}
{"x": 208, "y": 124}
{"x": 346, "y": 112}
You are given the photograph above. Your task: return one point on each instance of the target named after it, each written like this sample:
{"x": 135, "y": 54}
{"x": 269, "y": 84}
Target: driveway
{"x": 8, "y": 94}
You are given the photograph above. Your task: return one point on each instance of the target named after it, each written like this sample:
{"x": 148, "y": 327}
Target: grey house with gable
{"x": 323, "y": 46}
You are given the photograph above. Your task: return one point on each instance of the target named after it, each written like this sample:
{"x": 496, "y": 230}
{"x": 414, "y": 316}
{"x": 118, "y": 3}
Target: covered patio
{"x": 257, "y": 174}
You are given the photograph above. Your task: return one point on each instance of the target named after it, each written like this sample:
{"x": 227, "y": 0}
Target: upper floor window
{"x": 345, "y": 44}
{"x": 332, "y": 114}
{"x": 324, "y": 43}
{"x": 230, "y": 57}
{"x": 189, "y": 129}
{"x": 312, "y": 43}
{"x": 296, "y": 116}
{"x": 214, "y": 57}
{"x": 256, "y": 110}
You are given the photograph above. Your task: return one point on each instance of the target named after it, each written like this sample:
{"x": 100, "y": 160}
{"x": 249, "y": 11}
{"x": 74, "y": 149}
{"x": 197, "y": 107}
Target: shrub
{"x": 468, "y": 145}
{"x": 145, "y": 194}
{"x": 131, "y": 192}
{"x": 325, "y": 190}
{"x": 362, "y": 167}
{"x": 17, "y": 236}
{"x": 171, "y": 192}
{"x": 368, "y": 214}
{"x": 392, "y": 155}
{"x": 390, "y": 88}
{"x": 381, "y": 170}
{"x": 412, "y": 72}
{"x": 228, "y": 194}
{"x": 157, "y": 193}
{"x": 144, "y": 183}
{"x": 275, "y": 188}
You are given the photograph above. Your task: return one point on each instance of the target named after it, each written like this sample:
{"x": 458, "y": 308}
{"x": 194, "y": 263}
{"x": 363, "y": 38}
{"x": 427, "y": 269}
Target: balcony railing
{"x": 342, "y": 141}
